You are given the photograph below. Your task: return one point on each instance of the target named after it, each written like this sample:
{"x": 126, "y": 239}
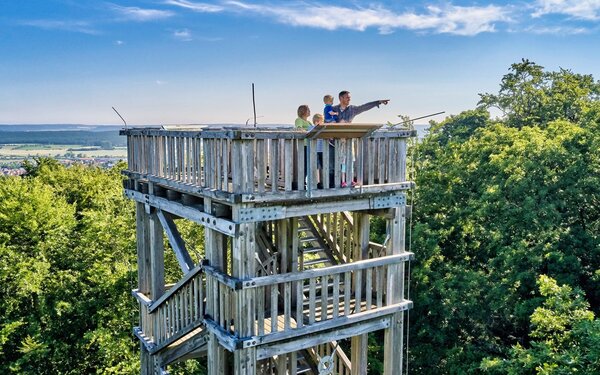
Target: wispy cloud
{"x": 141, "y": 14}
{"x": 160, "y": 83}
{"x": 119, "y": 42}
{"x": 184, "y": 35}
{"x": 196, "y": 7}
{"x": 451, "y": 19}
{"x": 579, "y": 9}
{"x": 447, "y": 18}
{"x": 557, "y": 30}
{"x": 70, "y": 26}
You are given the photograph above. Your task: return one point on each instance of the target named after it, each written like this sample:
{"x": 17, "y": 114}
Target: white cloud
{"x": 184, "y": 35}
{"x": 558, "y": 30}
{"x": 71, "y": 26}
{"x": 469, "y": 20}
{"x": 196, "y": 7}
{"x": 119, "y": 42}
{"x": 140, "y": 14}
{"x": 160, "y": 83}
{"x": 580, "y": 9}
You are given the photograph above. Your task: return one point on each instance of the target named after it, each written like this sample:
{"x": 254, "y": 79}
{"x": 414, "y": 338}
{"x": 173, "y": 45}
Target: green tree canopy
{"x": 500, "y": 202}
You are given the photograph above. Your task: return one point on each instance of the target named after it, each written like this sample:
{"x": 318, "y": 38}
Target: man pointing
{"x": 347, "y": 112}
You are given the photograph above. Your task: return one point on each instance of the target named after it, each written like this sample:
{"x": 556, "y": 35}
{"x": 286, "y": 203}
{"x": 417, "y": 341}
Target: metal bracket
{"x": 248, "y": 215}
{"x": 395, "y": 200}
{"x": 249, "y": 342}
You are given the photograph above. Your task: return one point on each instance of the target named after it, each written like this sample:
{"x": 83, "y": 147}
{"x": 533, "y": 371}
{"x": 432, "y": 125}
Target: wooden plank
{"x": 288, "y": 164}
{"x": 190, "y": 189}
{"x": 274, "y": 170}
{"x": 312, "y": 169}
{"x": 261, "y": 165}
{"x": 195, "y": 214}
{"x": 336, "y": 294}
{"x": 324, "y": 171}
{"x": 309, "y": 341}
{"x": 381, "y": 161}
{"x": 141, "y": 297}
{"x": 260, "y": 308}
{"x": 370, "y": 159}
{"x": 349, "y": 161}
{"x": 287, "y": 302}
{"x": 338, "y": 158}
{"x": 311, "y": 300}
{"x": 248, "y": 158}
{"x": 320, "y": 272}
{"x": 177, "y": 244}
{"x": 157, "y": 258}
{"x": 324, "y": 297}
{"x": 346, "y": 131}
{"x": 347, "y": 291}
{"x": 300, "y": 156}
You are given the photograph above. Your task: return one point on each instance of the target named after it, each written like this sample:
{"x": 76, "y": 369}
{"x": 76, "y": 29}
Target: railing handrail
{"x": 180, "y": 284}
{"x": 251, "y": 133}
{"x": 256, "y": 282}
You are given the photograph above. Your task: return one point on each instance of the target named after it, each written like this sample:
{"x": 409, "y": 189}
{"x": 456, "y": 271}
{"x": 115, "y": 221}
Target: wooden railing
{"x": 337, "y": 230}
{"x": 176, "y": 313}
{"x": 265, "y": 161}
{"x": 291, "y": 304}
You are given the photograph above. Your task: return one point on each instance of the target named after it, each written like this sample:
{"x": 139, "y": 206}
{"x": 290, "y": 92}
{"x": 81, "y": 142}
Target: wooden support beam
{"x": 359, "y": 343}
{"x": 213, "y": 244}
{"x": 194, "y": 214}
{"x": 144, "y": 279}
{"x": 243, "y": 255}
{"x": 394, "y": 336}
{"x": 276, "y": 348}
{"x": 177, "y": 244}
{"x": 157, "y": 251}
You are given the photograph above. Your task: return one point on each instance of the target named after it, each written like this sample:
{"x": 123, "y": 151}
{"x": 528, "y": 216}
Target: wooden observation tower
{"x": 288, "y": 269}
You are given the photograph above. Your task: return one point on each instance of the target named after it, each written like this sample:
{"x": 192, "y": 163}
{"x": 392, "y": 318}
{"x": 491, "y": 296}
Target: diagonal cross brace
{"x": 183, "y": 257}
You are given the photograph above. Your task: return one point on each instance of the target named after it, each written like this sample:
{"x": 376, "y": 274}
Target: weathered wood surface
{"x": 258, "y": 297}
{"x": 274, "y": 161}
{"x": 299, "y": 300}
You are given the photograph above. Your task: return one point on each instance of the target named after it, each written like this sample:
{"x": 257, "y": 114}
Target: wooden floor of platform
{"x": 281, "y": 318}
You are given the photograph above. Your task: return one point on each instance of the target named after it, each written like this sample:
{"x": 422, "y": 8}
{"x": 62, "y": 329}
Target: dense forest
{"x": 505, "y": 228}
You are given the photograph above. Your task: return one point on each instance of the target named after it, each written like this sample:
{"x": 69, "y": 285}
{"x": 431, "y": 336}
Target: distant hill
{"x": 57, "y": 127}
{"x": 104, "y": 136}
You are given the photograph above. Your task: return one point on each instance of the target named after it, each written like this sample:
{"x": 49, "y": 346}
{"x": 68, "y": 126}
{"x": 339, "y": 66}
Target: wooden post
{"x": 394, "y": 336}
{"x": 243, "y": 251}
{"x": 144, "y": 278}
{"x": 216, "y": 253}
{"x": 359, "y": 343}
{"x": 244, "y": 266}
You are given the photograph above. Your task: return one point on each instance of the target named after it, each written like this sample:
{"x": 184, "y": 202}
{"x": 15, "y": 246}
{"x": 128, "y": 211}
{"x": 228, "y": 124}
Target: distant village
{"x": 14, "y": 168}
{"x": 81, "y": 141}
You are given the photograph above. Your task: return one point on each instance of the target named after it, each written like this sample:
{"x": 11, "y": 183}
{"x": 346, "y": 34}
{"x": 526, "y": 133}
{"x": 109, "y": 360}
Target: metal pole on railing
{"x": 254, "y": 105}
{"x": 124, "y": 122}
{"x": 417, "y": 118}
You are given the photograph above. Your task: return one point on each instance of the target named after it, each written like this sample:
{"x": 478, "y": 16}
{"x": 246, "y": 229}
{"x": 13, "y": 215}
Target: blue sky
{"x": 184, "y": 61}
